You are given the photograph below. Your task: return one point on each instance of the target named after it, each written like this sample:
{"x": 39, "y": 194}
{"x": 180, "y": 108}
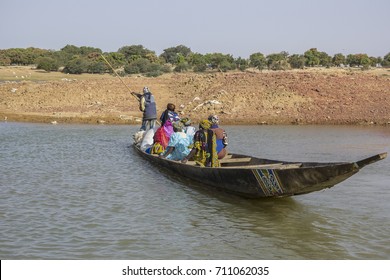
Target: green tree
{"x": 374, "y": 61}
{"x": 95, "y": 56}
{"x": 338, "y": 59}
{"x": 200, "y": 68}
{"x": 351, "y": 60}
{"x": 182, "y": 64}
{"x": 95, "y": 63}
{"x": 67, "y": 53}
{"x": 386, "y": 60}
{"x": 152, "y": 57}
{"x": 297, "y": 61}
{"x": 278, "y": 61}
{"x": 96, "y": 67}
{"x": 135, "y": 50}
{"x": 358, "y": 60}
{"x": 171, "y": 55}
{"x": 222, "y": 62}
{"x": 144, "y": 66}
{"x": 379, "y": 60}
{"x": 17, "y": 56}
{"x": 197, "y": 61}
{"x": 241, "y": 63}
{"x": 115, "y": 59}
{"x": 57, "y": 56}
{"x": 312, "y": 57}
{"x": 140, "y": 65}
{"x": 226, "y": 66}
{"x": 32, "y": 54}
{"x": 47, "y": 63}
{"x": 133, "y": 57}
{"x": 325, "y": 59}
{"x": 85, "y": 51}
{"x": 258, "y": 61}
{"x": 131, "y": 68}
{"x": 365, "y": 61}
{"x": 4, "y": 59}
{"x": 76, "y": 65}
{"x": 182, "y": 67}
{"x": 166, "y": 68}
{"x": 154, "y": 69}
{"x": 71, "y": 50}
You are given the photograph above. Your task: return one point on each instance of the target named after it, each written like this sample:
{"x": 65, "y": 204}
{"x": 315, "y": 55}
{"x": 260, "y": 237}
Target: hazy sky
{"x": 239, "y": 27}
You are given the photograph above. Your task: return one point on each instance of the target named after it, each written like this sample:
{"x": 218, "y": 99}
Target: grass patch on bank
{"x": 28, "y": 73}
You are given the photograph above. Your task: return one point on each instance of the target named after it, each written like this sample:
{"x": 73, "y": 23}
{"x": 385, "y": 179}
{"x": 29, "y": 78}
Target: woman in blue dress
{"x": 179, "y": 142}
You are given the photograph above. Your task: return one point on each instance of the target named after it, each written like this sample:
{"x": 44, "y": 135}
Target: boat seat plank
{"x": 290, "y": 166}
{"x": 267, "y": 166}
{"x": 228, "y": 160}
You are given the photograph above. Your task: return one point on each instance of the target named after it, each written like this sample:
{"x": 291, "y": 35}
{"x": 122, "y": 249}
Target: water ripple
{"x": 81, "y": 192}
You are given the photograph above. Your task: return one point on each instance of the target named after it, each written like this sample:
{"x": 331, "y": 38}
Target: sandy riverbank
{"x": 315, "y": 96}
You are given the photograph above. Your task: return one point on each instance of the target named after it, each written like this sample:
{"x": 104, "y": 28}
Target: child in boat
{"x": 178, "y": 143}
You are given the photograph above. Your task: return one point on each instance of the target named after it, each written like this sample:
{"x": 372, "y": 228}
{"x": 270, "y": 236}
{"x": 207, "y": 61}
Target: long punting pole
{"x": 108, "y": 63}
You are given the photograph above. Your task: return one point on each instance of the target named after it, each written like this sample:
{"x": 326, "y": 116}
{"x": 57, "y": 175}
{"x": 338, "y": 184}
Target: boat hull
{"x": 268, "y": 179}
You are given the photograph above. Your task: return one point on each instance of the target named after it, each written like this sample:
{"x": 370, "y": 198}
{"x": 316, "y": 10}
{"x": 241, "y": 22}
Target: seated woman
{"x": 204, "y": 151}
{"x": 178, "y": 143}
{"x": 161, "y": 138}
{"x": 221, "y": 135}
{"x": 169, "y": 114}
{"x": 188, "y": 128}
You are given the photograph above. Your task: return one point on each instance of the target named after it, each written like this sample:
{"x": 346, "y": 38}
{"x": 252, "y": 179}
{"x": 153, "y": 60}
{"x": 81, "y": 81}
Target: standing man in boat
{"x": 147, "y": 104}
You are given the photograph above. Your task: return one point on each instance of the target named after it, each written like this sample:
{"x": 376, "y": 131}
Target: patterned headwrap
{"x": 178, "y": 126}
{"x": 186, "y": 121}
{"x": 205, "y": 124}
{"x": 213, "y": 119}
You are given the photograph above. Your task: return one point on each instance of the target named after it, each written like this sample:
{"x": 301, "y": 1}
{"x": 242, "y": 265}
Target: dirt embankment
{"x": 319, "y": 96}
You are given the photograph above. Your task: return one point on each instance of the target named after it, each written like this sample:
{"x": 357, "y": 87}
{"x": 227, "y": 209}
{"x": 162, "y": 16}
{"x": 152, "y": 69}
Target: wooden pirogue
{"x": 256, "y": 177}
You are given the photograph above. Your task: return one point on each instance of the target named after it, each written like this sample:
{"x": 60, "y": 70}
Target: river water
{"x": 81, "y": 192}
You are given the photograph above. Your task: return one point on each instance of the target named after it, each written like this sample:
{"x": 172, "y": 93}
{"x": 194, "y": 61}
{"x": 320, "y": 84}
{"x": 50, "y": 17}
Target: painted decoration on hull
{"x": 268, "y": 181}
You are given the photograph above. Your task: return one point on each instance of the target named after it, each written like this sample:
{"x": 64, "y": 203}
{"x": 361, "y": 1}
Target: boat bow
{"x": 369, "y": 160}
